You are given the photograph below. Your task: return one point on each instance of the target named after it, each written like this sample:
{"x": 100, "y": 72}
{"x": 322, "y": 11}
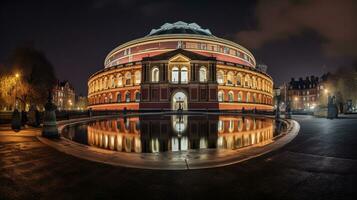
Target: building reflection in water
{"x": 158, "y": 133}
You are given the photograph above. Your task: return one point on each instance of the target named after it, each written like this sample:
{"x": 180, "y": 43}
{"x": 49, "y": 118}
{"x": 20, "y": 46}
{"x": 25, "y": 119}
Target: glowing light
{"x": 326, "y": 91}
{"x": 312, "y": 106}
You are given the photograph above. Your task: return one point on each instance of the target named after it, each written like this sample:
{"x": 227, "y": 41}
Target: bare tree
{"x": 36, "y": 73}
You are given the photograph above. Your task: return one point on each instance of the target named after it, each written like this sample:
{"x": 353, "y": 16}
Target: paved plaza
{"x": 320, "y": 163}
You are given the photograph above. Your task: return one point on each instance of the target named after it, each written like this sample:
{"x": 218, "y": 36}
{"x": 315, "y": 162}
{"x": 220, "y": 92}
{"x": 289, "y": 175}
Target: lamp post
{"x": 17, "y": 76}
{"x": 16, "y": 117}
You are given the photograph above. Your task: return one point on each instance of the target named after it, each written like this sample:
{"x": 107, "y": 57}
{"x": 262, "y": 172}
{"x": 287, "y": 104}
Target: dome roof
{"x": 180, "y": 27}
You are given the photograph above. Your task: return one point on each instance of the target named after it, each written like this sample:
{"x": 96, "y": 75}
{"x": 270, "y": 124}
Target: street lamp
{"x": 17, "y": 76}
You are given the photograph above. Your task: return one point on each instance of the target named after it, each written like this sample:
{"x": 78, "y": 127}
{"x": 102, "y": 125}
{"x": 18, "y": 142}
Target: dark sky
{"x": 293, "y": 37}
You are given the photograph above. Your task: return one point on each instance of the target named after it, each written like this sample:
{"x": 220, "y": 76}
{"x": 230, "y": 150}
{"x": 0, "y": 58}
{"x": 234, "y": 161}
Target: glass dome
{"x": 180, "y": 27}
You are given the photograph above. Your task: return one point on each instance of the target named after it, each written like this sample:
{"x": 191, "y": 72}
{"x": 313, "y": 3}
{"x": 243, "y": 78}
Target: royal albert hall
{"x": 180, "y": 65}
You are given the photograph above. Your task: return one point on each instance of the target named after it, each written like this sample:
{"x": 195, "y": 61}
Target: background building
{"x": 306, "y": 94}
{"x": 183, "y": 65}
{"x": 64, "y": 96}
{"x": 81, "y": 102}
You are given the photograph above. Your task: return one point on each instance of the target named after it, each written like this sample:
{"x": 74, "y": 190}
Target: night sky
{"x": 294, "y": 38}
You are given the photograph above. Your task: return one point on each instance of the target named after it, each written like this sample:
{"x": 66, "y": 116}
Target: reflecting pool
{"x": 161, "y": 133}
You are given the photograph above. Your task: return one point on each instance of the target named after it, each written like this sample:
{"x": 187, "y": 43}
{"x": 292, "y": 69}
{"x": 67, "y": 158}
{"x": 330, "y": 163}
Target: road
{"x": 320, "y": 163}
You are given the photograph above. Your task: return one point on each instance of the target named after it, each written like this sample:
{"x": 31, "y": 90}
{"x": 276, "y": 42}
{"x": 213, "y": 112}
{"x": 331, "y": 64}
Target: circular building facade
{"x": 180, "y": 66}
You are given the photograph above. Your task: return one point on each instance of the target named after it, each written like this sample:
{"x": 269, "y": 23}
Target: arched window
{"x": 254, "y": 98}
{"x": 247, "y": 81}
{"x": 203, "y": 74}
{"x": 110, "y": 97}
{"x": 137, "y": 96}
{"x": 175, "y": 75}
{"x": 184, "y": 75}
{"x": 221, "y": 96}
{"x": 230, "y": 78}
{"x": 127, "y": 97}
{"x": 230, "y": 96}
{"x": 112, "y": 81}
{"x": 259, "y": 98}
{"x": 137, "y": 77}
{"x": 155, "y": 75}
{"x": 247, "y": 124}
{"x": 240, "y": 124}
{"x": 119, "y": 80}
{"x": 119, "y": 97}
{"x": 240, "y": 96}
{"x": 104, "y": 84}
{"x": 231, "y": 126}
{"x": 254, "y": 82}
{"x": 239, "y": 79}
{"x": 220, "y": 77}
{"x": 248, "y": 97}
{"x": 128, "y": 78}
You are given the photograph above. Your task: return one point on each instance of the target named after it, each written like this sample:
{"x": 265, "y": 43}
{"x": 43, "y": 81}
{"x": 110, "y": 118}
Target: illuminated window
{"x": 119, "y": 97}
{"x": 247, "y": 81}
{"x": 225, "y": 50}
{"x": 175, "y": 75}
{"x": 110, "y": 97}
{"x": 245, "y": 57}
{"x": 240, "y": 96}
{"x": 112, "y": 82}
{"x": 248, "y": 97}
{"x": 230, "y": 78}
{"x": 137, "y": 77}
{"x": 220, "y": 77}
{"x": 127, "y": 97}
{"x": 220, "y": 96}
{"x": 203, "y": 74}
{"x": 128, "y": 78}
{"x": 105, "y": 83}
{"x": 184, "y": 75}
{"x": 254, "y": 82}
{"x": 155, "y": 75}
{"x": 137, "y": 97}
{"x": 239, "y": 79}
{"x": 119, "y": 80}
{"x": 231, "y": 126}
{"x": 230, "y": 96}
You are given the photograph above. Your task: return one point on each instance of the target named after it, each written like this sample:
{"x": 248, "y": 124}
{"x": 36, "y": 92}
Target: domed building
{"x": 180, "y": 65}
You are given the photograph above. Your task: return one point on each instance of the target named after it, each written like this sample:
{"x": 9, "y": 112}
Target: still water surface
{"x": 161, "y": 133}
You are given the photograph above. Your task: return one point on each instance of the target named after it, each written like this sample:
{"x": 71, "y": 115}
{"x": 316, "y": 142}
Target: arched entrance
{"x": 179, "y": 100}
